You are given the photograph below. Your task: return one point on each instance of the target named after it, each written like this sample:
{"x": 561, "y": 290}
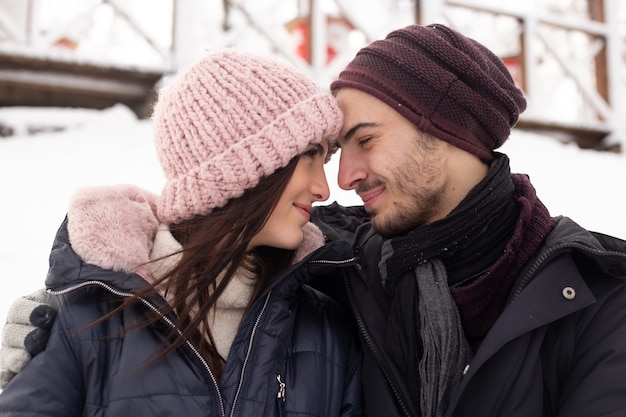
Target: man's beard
{"x": 415, "y": 211}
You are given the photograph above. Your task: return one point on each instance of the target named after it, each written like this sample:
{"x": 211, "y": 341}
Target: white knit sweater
{"x": 226, "y": 316}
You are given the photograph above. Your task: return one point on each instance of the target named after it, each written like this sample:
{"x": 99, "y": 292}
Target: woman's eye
{"x": 315, "y": 151}
{"x": 311, "y": 153}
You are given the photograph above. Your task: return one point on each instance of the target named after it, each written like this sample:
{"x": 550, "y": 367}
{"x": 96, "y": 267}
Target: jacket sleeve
{"x": 25, "y": 333}
{"x": 50, "y": 384}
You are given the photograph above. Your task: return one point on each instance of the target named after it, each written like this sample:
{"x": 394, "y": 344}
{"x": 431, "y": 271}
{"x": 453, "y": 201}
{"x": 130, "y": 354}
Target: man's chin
{"x": 379, "y": 225}
{"x": 386, "y": 228}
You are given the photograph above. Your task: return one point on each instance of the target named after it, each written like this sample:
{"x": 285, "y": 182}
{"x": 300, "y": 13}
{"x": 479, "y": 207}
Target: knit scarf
{"x": 426, "y": 336}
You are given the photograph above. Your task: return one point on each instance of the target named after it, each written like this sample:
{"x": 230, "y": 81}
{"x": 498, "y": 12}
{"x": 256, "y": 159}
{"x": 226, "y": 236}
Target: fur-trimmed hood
{"x": 114, "y": 227}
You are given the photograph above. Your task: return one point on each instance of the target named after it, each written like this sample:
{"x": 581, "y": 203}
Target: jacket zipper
{"x": 372, "y": 347}
{"x": 281, "y": 389}
{"x": 280, "y": 397}
{"x": 329, "y": 262}
{"x": 164, "y": 318}
{"x": 245, "y": 362}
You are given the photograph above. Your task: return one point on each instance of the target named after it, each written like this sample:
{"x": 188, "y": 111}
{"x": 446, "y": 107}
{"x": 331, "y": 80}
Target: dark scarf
{"x": 475, "y": 252}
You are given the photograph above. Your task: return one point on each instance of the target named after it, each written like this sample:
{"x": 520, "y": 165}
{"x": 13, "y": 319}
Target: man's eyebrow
{"x": 350, "y": 133}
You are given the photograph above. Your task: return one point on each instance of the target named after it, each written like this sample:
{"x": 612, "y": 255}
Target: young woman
{"x": 194, "y": 302}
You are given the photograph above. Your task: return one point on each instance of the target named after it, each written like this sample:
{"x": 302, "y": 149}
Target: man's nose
{"x": 350, "y": 171}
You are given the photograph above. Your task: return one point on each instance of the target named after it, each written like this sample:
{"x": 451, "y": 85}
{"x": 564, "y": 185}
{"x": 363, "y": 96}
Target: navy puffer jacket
{"x": 294, "y": 354}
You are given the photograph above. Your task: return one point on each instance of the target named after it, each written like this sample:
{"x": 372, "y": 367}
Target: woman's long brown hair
{"x": 216, "y": 245}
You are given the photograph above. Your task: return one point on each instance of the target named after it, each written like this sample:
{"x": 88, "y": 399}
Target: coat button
{"x": 569, "y": 293}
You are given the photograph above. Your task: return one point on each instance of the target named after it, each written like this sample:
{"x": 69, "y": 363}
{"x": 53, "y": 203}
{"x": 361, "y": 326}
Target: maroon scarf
{"x": 481, "y": 302}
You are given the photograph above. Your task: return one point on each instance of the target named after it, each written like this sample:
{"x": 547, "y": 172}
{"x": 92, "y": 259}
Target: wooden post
{"x": 596, "y": 13}
{"x": 418, "y": 15}
{"x": 310, "y": 33}
{"x": 521, "y": 57}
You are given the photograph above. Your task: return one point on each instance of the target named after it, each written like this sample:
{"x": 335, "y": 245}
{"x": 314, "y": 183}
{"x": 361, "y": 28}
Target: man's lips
{"x": 305, "y": 209}
{"x": 370, "y": 195}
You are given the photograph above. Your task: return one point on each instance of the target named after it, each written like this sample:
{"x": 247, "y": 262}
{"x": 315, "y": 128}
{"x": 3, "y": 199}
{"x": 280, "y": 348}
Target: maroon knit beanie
{"x": 446, "y": 84}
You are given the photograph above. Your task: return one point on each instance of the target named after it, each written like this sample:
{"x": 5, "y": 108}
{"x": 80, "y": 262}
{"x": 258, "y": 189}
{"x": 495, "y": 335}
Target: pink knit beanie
{"x": 229, "y": 120}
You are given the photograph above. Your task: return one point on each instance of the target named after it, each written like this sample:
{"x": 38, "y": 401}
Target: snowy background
{"x": 81, "y": 147}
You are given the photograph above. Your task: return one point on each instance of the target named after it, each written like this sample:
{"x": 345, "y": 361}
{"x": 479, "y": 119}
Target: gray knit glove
{"x": 25, "y": 333}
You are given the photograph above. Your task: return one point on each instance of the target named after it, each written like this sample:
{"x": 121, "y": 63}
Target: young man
{"x": 471, "y": 299}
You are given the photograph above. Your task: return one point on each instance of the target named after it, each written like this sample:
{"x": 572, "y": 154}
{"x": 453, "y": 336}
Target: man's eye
{"x": 362, "y": 141}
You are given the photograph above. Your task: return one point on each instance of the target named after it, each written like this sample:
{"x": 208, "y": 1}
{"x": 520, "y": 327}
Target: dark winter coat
{"x": 295, "y": 353}
{"x": 558, "y": 349}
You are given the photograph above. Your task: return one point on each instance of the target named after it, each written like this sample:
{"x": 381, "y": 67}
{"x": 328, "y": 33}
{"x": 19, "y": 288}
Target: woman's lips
{"x": 305, "y": 209}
